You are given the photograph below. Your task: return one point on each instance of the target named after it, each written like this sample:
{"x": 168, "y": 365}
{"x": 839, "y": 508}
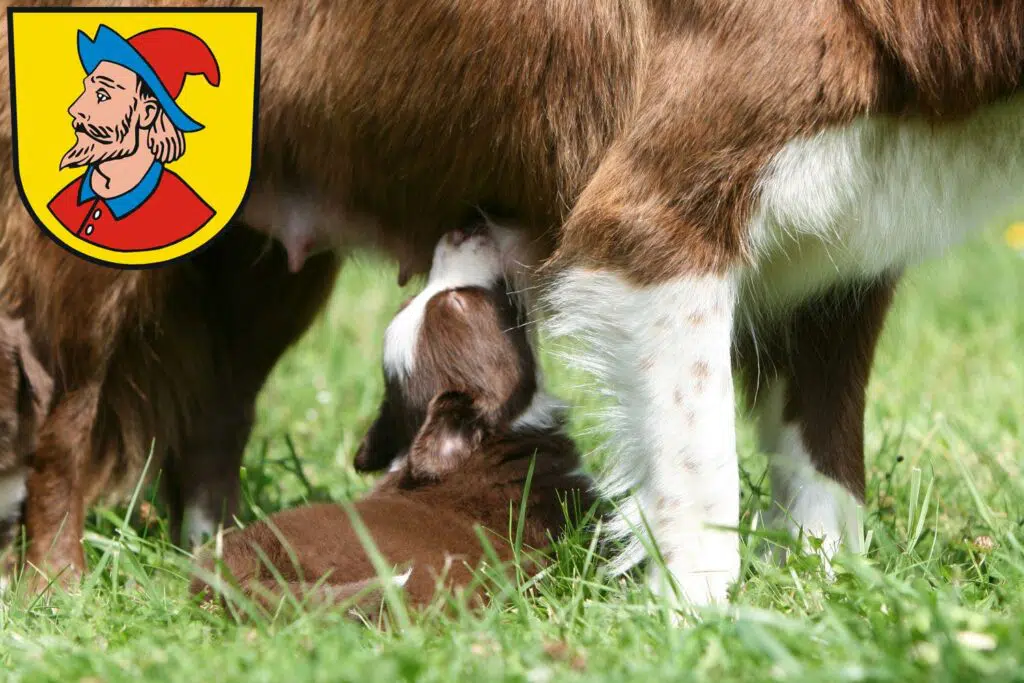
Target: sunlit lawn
{"x": 938, "y": 596}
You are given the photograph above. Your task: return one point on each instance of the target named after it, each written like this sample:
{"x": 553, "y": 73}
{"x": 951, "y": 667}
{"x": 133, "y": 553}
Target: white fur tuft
{"x": 197, "y": 525}
{"x": 807, "y": 502}
{"x": 401, "y": 579}
{"x": 12, "y": 493}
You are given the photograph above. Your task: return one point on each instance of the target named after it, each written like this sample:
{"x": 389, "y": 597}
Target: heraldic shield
{"x": 134, "y": 130}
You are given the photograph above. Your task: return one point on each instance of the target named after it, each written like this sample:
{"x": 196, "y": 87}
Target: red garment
{"x": 170, "y": 214}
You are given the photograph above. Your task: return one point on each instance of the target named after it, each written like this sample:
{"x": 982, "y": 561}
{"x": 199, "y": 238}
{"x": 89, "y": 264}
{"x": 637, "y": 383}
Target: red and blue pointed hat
{"x": 161, "y": 57}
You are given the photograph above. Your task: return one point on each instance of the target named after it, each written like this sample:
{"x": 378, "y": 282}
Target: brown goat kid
{"x": 460, "y": 428}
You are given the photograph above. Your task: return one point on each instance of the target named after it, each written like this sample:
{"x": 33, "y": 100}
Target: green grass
{"x": 928, "y": 601}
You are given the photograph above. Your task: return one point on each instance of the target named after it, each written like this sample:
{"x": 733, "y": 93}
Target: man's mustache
{"x": 101, "y": 134}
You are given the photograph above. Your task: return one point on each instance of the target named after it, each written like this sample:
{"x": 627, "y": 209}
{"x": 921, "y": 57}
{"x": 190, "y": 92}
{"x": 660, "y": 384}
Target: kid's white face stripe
{"x": 476, "y": 262}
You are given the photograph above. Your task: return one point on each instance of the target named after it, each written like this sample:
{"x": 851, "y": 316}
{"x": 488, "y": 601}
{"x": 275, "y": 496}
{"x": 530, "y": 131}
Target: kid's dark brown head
{"x": 25, "y": 391}
{"x": 464, "y": 332}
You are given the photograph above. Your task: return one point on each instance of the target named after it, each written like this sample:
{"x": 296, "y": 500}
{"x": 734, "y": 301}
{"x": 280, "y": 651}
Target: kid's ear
{"x": 453, "y": 430}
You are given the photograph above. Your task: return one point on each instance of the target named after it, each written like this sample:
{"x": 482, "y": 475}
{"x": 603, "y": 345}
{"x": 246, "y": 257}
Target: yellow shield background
{"x": 46, "y": 77}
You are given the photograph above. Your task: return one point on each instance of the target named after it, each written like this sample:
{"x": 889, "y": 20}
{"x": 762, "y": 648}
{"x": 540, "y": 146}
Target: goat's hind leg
{"x": 808, "y": 380}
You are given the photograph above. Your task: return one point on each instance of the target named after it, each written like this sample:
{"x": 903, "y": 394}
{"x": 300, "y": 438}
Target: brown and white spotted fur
{"x": 689, "y": 173}
{"x": 459, "y": 434}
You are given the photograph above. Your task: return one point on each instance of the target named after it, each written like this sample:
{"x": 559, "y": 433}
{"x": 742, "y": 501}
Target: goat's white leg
{"x": 664, "y": 353}
{"x": 805, "y": 502}
{"x": 812, "y": 416}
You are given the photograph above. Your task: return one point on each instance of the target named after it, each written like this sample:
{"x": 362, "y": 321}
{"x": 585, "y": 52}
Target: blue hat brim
{"x": 108, "y": 46}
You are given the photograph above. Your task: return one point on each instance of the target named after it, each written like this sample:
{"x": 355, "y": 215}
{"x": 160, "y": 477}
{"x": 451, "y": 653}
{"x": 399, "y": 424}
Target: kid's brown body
{"x": 423, "y": 519}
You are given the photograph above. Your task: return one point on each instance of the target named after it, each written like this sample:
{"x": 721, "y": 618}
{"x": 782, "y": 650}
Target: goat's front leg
{"x": 55, "y": 500}
{"x": 663, "y": 350}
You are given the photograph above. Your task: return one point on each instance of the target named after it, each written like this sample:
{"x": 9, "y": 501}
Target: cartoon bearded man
{"x": 127, "y": 128}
